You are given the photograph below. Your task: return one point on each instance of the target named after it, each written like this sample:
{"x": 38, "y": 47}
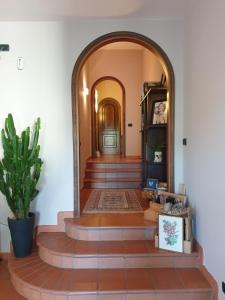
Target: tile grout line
{"x": 179, "y": 277}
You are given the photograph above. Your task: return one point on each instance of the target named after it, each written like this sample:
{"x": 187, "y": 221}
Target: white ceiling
{"x": 26, "y": 10}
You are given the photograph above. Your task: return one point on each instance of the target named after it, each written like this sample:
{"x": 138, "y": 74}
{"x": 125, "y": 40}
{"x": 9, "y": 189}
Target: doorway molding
{"x": 93, "y": 114}
{"x": 121, "y": 36}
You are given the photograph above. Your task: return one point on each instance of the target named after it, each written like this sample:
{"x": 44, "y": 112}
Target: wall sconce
{"x": 85, "y": 91}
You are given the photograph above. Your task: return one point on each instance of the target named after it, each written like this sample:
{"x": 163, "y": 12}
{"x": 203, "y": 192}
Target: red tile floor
{"x": 176, "y": 281}
{"x": 7, "y": 291}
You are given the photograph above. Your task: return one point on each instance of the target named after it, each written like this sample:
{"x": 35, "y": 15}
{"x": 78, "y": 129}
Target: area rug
{"x": 112, "y": 201}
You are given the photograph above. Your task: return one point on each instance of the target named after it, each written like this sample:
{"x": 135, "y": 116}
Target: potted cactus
{"x": 20, "y": 170}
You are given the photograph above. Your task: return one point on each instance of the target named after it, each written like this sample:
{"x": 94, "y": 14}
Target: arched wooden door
{"x": 109, "y": 126}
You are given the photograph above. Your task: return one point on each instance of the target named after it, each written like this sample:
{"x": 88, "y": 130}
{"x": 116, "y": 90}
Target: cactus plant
{"x": 20, "y": 167}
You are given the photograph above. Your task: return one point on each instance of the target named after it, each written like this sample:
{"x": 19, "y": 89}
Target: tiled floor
{"x": 120, "y": 273}
{"x": 42, "y": 277}
{"x": 7, "y": 291}
{"x": 59, "y": 250}
{"x": 59, "y": 242}
{"x": 112, "y": 220}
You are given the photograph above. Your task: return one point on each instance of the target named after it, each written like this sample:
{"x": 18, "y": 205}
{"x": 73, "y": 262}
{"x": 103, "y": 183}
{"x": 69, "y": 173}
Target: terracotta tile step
{"x": 113, "y": 173}
{"x": 105, "y": 227}
{"x": 113, "y": 185}
{"x": 115, "y": 159}
{"x": 103, "y": 180}
{"x": 45, "y": 282}
{"x": 113, "y": 177}
{"x": 114, "y": 165}
{"x": 60, "y": 251}
{"x": 107, "y": 220}
{"x": 114, "y": 170}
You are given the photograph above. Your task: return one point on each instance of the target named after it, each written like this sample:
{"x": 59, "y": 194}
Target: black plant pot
{"x": 22, "y": 235}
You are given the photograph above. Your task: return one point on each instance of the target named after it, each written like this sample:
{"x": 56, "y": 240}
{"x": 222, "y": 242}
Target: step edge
{"x": 108, "y": 291}
{"x": 118, "y": 179}
{"x": 124, "y": 255}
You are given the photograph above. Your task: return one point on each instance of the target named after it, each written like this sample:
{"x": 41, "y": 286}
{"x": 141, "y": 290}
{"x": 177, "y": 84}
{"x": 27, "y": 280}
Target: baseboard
{"x": 4, "y": 255}
{"x": 59, "y": 227}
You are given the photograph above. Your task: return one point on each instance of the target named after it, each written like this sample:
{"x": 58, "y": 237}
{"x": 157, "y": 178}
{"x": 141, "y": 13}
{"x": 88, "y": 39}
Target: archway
{"x": 132, "y": 37}
{"x": 93, "y": 114}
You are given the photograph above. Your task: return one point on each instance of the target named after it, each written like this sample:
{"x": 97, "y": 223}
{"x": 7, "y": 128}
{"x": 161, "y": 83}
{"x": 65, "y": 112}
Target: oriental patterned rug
{"x": 112, "y": 201}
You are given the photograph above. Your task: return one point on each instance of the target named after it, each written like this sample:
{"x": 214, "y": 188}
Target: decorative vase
{"x": 22, "y": 235}
{"x": 158, "y": 156}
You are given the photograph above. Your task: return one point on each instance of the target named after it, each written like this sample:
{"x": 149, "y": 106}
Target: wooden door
{"x": 109, "y": 126}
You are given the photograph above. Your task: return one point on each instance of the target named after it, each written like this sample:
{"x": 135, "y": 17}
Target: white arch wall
{"x": 43, "y": 89}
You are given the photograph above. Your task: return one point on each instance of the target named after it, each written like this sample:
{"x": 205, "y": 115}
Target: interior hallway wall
{"x": 42, "y": 89}
{"x": 126, "y": 66}
{"x": 152, "y": 68}
{"x": 204, "y": 127}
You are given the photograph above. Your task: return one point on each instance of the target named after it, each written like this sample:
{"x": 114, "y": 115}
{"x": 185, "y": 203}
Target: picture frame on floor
{"x": 171, "y": 233}
{"x": 152, "y": 183}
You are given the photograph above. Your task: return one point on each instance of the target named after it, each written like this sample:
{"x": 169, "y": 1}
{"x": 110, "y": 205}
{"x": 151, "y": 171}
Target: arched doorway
{"x": 93, "y": 113}
{"x": 108, "y": 126}
{"x": 168, "y": 69}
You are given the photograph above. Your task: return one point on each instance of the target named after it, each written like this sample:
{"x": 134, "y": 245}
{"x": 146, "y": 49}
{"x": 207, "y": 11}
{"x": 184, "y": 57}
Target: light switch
{"x": 20, "y": 63}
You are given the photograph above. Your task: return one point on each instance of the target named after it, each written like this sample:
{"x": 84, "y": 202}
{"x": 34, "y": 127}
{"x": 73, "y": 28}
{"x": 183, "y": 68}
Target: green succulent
{"x": 20, "y": 167}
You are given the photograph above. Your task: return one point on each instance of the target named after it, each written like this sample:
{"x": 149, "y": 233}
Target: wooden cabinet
{"x": 154, "y": 132}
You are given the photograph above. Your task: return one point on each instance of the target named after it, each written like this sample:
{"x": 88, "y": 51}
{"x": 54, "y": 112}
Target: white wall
{"x": 43, "y": 89}
{"x": 204, "y": 127}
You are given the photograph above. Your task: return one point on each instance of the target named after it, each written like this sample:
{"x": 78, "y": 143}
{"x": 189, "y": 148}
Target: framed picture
{"x": 171, "y": 233}
{"x": 152, "y": 183}
{"x": 159, "y": 113}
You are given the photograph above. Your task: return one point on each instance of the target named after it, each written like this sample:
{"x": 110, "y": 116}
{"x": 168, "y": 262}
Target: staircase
{"x": 107, "y": 257}
{"x": 113, "y": 173}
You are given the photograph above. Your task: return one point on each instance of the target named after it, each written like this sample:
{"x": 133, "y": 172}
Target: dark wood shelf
{"x": 156, "y": 164}
{"x": 152, "y": 136}
{"x": 154, "y": 126}
{"x": 153, "y": 90}
{"x": 150, "y": 162}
